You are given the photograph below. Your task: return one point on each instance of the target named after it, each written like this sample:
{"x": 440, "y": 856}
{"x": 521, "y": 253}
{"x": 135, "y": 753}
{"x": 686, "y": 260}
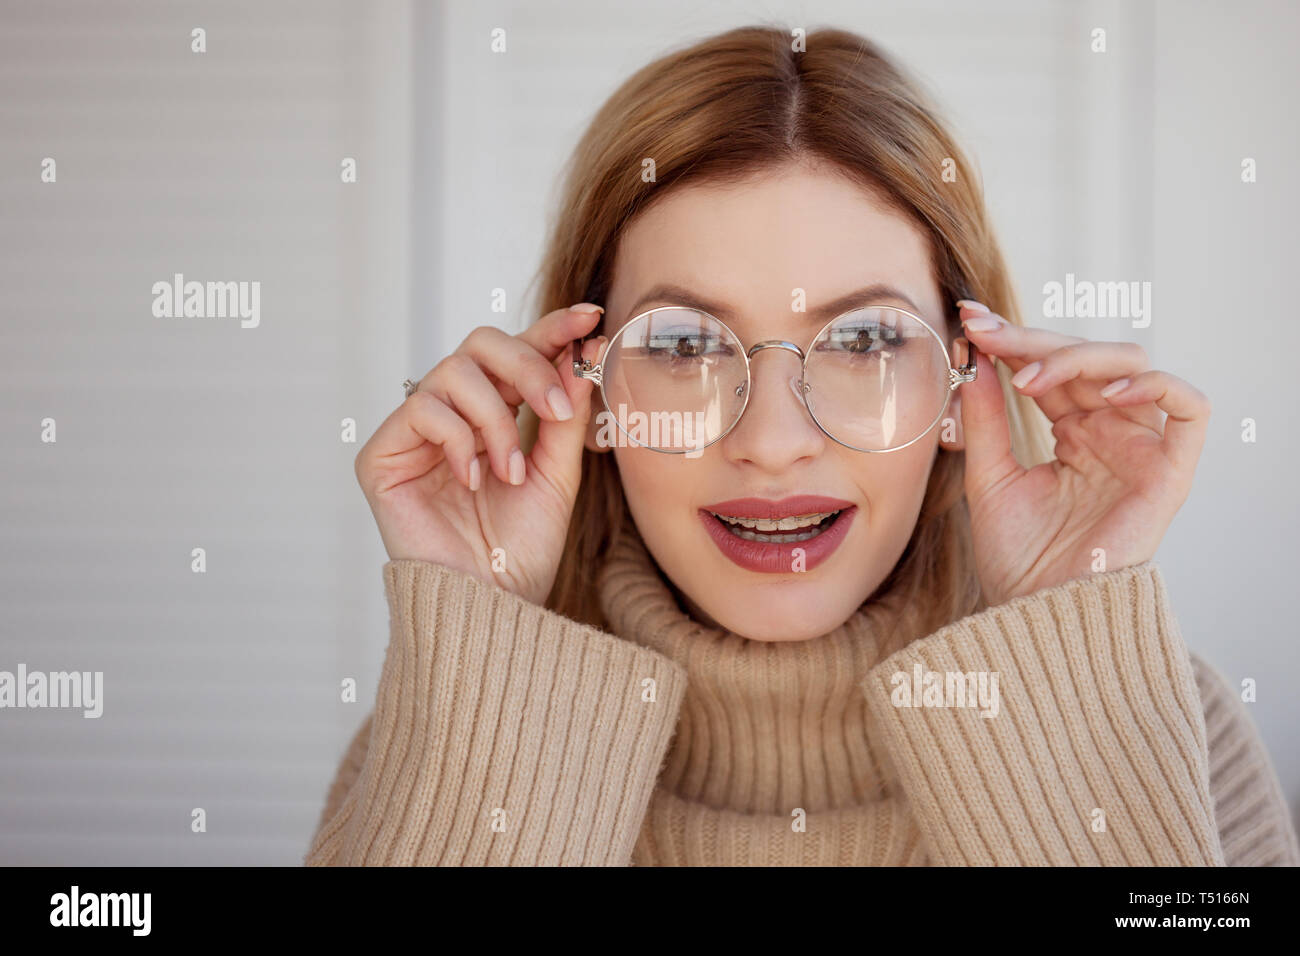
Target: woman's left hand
{"x": 1122, "y": 468}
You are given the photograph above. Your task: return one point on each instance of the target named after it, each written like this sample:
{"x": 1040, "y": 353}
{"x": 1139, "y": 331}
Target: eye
{"x": 862, "y": 338}
{"x": 685, "y": 345}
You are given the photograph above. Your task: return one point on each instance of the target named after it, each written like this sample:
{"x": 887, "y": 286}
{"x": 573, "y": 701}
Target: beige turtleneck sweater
{"x": 507, "y": 734}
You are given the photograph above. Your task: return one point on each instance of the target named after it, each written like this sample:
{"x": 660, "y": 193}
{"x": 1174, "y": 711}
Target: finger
{"x": 463, "y": 386}
{"x": 513, "y": 362}
{"x": 1187, "y": 407}
{"x": 509, "y": 394}
{"x": 557, "y": 453}
{"x": 422, "y": 418}
{"x": 1099, "y": 361}
{"x": 555, "y": 331}
{"x": 529, "y": 373}
{"x": 1147, "y": 414}
{"x": 1070, "y": 378}
{"x": 1016, "y": 345}
{"x": 989, "y": 460}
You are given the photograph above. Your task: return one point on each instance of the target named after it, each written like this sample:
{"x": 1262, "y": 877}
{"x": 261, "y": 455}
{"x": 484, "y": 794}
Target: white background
{"x": 222, "y": 689}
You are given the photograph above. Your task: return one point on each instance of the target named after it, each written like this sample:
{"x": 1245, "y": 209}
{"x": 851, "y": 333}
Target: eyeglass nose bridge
{"x": 775, "y": 344}
{"x": 797, "y": 384}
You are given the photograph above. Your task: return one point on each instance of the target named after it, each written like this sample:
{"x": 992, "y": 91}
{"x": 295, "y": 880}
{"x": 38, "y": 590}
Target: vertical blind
{"x": 173, "y": 433}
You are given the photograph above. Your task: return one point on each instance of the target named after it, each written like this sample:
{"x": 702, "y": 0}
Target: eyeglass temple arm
{"x": 585, "y": 368}
{"x": 963, "y": 373}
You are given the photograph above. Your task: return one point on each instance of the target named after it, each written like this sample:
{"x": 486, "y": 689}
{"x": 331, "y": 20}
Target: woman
{"x": 826, "y": 626}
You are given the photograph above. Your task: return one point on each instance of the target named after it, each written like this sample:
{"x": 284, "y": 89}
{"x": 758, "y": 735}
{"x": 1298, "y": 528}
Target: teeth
{"x": 741, "y": 527}
{"x": 780, "y": 524}
{"x": 774, "y": 539}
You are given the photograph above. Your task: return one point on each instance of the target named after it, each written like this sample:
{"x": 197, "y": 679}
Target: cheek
{"x": 658, "y": 489}
{"x": 649, "y": 480}
{"x": 894, "y": 484}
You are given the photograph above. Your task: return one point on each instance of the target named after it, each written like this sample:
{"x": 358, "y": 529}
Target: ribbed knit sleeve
{"x": 1096, "y": 753}
{"x": 502, "y": 734}
{"x": 1249, "y": 808}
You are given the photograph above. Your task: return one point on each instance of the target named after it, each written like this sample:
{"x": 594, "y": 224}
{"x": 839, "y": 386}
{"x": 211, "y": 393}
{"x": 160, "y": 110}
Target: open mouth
{"x": 780, "y": 530}
{"x": 789, "y": 535}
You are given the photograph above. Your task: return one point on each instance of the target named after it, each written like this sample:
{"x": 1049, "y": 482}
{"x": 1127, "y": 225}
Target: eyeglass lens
{"x": 875, "y": 379}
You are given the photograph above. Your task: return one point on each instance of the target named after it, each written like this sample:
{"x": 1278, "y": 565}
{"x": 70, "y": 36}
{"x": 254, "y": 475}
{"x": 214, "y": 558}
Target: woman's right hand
{"x": 438, "y": 497}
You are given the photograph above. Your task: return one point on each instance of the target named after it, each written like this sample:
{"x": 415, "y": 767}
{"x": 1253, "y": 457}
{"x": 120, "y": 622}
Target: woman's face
{"x": 747, "y": 248}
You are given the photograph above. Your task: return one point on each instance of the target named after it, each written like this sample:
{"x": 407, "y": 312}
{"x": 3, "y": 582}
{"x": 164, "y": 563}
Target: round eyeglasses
{"x": 676, "y": 379}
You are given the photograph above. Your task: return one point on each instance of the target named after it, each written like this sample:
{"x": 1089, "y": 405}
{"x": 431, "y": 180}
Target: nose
{"x": 776, "y": 429}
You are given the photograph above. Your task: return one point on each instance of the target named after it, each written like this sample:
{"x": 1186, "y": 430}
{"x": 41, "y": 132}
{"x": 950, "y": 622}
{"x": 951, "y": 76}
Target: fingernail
{"x": 986, "y": 323}
{"x": 585, "y": 307}
{"x": 559, "y": 403}
{"x": 1116, "y": 386}
{"x": 973, "y": 305}
{"x": 1026, "y": 375}
{"x": 516, "y": 467}
{"x": 474, "y": 475}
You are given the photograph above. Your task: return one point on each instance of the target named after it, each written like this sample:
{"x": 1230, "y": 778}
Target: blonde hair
{"x": 722, "y": 110}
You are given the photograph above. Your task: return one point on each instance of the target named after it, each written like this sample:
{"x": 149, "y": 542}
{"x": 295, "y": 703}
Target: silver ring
{"x": 410, "y": 387}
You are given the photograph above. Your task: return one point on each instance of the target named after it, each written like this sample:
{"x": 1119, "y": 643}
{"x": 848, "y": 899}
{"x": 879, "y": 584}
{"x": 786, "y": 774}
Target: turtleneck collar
{"x": 765, "y": 727}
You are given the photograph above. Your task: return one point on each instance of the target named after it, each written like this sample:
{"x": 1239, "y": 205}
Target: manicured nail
{"x": 516, "y": 467}
{"x": 474, "y": 475}
{"x": 1116, "y": 386}
{"x": 973, "y": 305}
{"x": 585, "y": 307}
{"x": 559, "y": 403}
{"x": 986, "y": 323}
{"x": 1026, "y": 375}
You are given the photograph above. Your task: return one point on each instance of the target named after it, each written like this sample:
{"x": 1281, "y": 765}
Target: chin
{"x": 795, "y": 609}
{"x": 782, "y": 630}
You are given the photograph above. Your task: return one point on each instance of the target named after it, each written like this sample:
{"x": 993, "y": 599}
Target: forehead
{"x": 755, "y": 242}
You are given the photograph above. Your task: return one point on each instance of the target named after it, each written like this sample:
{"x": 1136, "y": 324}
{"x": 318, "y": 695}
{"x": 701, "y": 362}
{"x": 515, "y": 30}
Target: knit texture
{"x": 502, "y": 734}
{"x": 506, "y": 734}
{"x": 1250, "y": 808}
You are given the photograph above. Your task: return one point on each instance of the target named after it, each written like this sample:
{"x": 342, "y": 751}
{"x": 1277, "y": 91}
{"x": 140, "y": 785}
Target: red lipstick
{"x": 779, "y": 553}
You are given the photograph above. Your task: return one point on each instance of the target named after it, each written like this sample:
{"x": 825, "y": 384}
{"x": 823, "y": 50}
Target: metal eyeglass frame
{"x": 585, "y": 368}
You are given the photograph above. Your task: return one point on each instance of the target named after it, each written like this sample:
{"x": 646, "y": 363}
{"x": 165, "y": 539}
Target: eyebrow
{"x": 670, "y": 293}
